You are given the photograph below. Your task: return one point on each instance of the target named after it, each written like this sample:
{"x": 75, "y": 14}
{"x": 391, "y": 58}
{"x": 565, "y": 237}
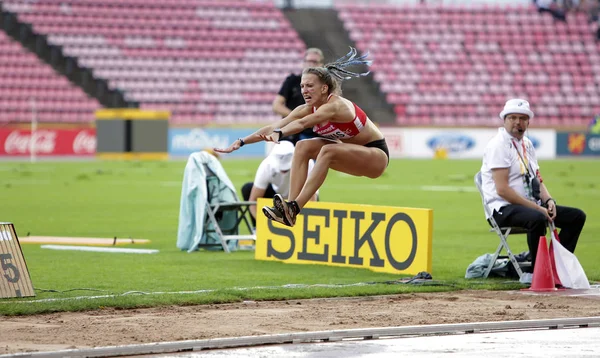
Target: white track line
{"x": 320, "y": 336}
{"x": 99, "y": 249}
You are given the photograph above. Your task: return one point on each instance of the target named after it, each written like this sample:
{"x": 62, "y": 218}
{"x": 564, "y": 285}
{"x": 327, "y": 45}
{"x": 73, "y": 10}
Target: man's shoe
{"x": 273, "y": 214}
{"x": 286, "y": 209}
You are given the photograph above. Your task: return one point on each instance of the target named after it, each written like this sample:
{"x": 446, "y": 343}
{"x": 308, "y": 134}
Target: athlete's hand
{"x": 273, "y": 137}
{"x": 234, "y": 146}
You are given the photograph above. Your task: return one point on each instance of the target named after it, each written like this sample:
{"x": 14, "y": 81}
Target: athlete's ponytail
{"x": 337, "y": 68}
{"x": 333, "y": 73}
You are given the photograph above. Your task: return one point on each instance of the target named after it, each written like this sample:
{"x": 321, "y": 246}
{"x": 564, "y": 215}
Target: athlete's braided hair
{"x": 333, "y": 73}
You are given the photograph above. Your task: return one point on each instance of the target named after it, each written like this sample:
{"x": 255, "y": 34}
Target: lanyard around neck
{"x": 524, "y": 156}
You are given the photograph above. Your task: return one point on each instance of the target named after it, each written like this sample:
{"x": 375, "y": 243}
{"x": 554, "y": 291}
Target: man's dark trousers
{"x": 569, "y": 220}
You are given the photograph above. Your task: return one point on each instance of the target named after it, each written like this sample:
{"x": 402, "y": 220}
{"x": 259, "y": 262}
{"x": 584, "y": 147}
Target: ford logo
{"x": 454, "y": 143}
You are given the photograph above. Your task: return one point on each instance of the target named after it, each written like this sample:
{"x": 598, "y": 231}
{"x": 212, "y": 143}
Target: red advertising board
{"x": 48, "y": 142}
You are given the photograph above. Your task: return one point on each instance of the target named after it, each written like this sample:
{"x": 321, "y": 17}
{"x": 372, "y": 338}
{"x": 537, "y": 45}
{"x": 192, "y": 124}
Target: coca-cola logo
{"x": 84, "y": 143}
{"x": 44, "y": 142}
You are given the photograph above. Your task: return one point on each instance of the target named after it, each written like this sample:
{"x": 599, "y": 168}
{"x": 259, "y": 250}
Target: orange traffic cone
{"x": 543, "y": 275}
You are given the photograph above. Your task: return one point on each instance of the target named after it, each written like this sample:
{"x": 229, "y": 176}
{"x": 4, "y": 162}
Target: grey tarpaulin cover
{"x": 194, "y": 196}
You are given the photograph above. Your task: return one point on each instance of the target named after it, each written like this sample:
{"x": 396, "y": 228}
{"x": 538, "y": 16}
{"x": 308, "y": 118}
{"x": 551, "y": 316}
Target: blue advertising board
{"x": 458, "y": 143}
{"x": 577, "y": 144}
{"x": 185, "y": 141}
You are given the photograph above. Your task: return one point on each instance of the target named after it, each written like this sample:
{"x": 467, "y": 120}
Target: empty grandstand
{"x": 221, "y": 62}
{"x": 205, "y": 61}
{"x": 453, "y": 65}
{"x": 28, "y": 86}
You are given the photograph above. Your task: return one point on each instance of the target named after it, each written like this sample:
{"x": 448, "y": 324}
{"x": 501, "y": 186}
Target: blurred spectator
{"x": 288, "y": 4}
{"x": 588, "y": 7}
{"x": 592, "y": 8}
{"x": 559, "y": 9}
{"x": 272, "y": 176}
{"x": 594, "y": 126}
{"x": 290, "y": 95}
{"x": 551, "y": 7}
{"x": 513, "y": 188}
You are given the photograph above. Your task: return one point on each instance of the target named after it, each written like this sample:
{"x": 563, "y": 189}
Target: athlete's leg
{"x": 305, "y": 150}
{"x": 351, "y": 159}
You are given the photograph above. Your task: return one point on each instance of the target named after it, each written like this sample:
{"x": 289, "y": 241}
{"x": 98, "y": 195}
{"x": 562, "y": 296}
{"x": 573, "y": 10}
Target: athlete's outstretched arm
{"x": 324, "y": 113}
{"x": 259, "y": 135}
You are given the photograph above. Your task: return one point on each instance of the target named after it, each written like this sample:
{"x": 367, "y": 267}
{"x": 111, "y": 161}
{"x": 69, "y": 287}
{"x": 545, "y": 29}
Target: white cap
{"x": 282, "y": 154}
{"x": 516, "y": 105}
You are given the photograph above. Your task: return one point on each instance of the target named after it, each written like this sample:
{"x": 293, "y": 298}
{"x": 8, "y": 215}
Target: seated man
{"x": 272, "y": 176}
{"x": 513, "y": 188}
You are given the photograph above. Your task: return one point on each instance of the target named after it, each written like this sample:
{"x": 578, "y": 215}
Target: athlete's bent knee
{"x": 375, "y": 173}
{"x": 327, "y": 153}
{"x": 306, "y": 148}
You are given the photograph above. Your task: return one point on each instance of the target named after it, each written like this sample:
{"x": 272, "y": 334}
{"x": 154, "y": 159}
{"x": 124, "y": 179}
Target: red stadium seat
{"x": 137, "y": 44}
{"x": 25, "y": 78}
{"x": 493, "y": 51}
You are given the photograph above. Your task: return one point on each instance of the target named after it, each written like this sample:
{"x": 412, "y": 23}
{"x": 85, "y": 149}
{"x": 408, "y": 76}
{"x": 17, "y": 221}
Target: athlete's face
{"x": 313, "y": 90}
{"x": 516, "y": 124}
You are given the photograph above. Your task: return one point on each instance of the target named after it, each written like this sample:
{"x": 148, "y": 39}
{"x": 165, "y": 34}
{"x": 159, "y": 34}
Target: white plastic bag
{"x": 568, "y": 268}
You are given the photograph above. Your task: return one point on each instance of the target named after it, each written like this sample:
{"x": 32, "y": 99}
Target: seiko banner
{"x": 185, "y": 141}
{"x": 380, "y": 238}
{"x": 458, "y": 143}
{"x": 578, "y": 144}
{"x": 48, "y": 142}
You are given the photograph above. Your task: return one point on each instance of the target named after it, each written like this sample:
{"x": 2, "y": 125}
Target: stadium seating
{"x": 204, "y": 60}
{"x": 457, "y": 65}
{"x": 26, "y": 84}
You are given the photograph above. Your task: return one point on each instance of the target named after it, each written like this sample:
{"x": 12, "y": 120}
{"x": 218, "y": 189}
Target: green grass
{"x": 141, "y": 200}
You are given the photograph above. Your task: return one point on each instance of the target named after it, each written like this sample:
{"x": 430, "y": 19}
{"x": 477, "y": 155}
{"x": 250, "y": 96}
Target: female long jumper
{"x": 349, "y": 143}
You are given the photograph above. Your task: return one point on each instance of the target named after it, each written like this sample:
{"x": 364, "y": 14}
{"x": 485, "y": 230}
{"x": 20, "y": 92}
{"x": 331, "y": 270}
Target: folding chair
{"x": 502, "y": 232}
{"x": 210, "y": 212}
{"x": 224, "y": 218}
